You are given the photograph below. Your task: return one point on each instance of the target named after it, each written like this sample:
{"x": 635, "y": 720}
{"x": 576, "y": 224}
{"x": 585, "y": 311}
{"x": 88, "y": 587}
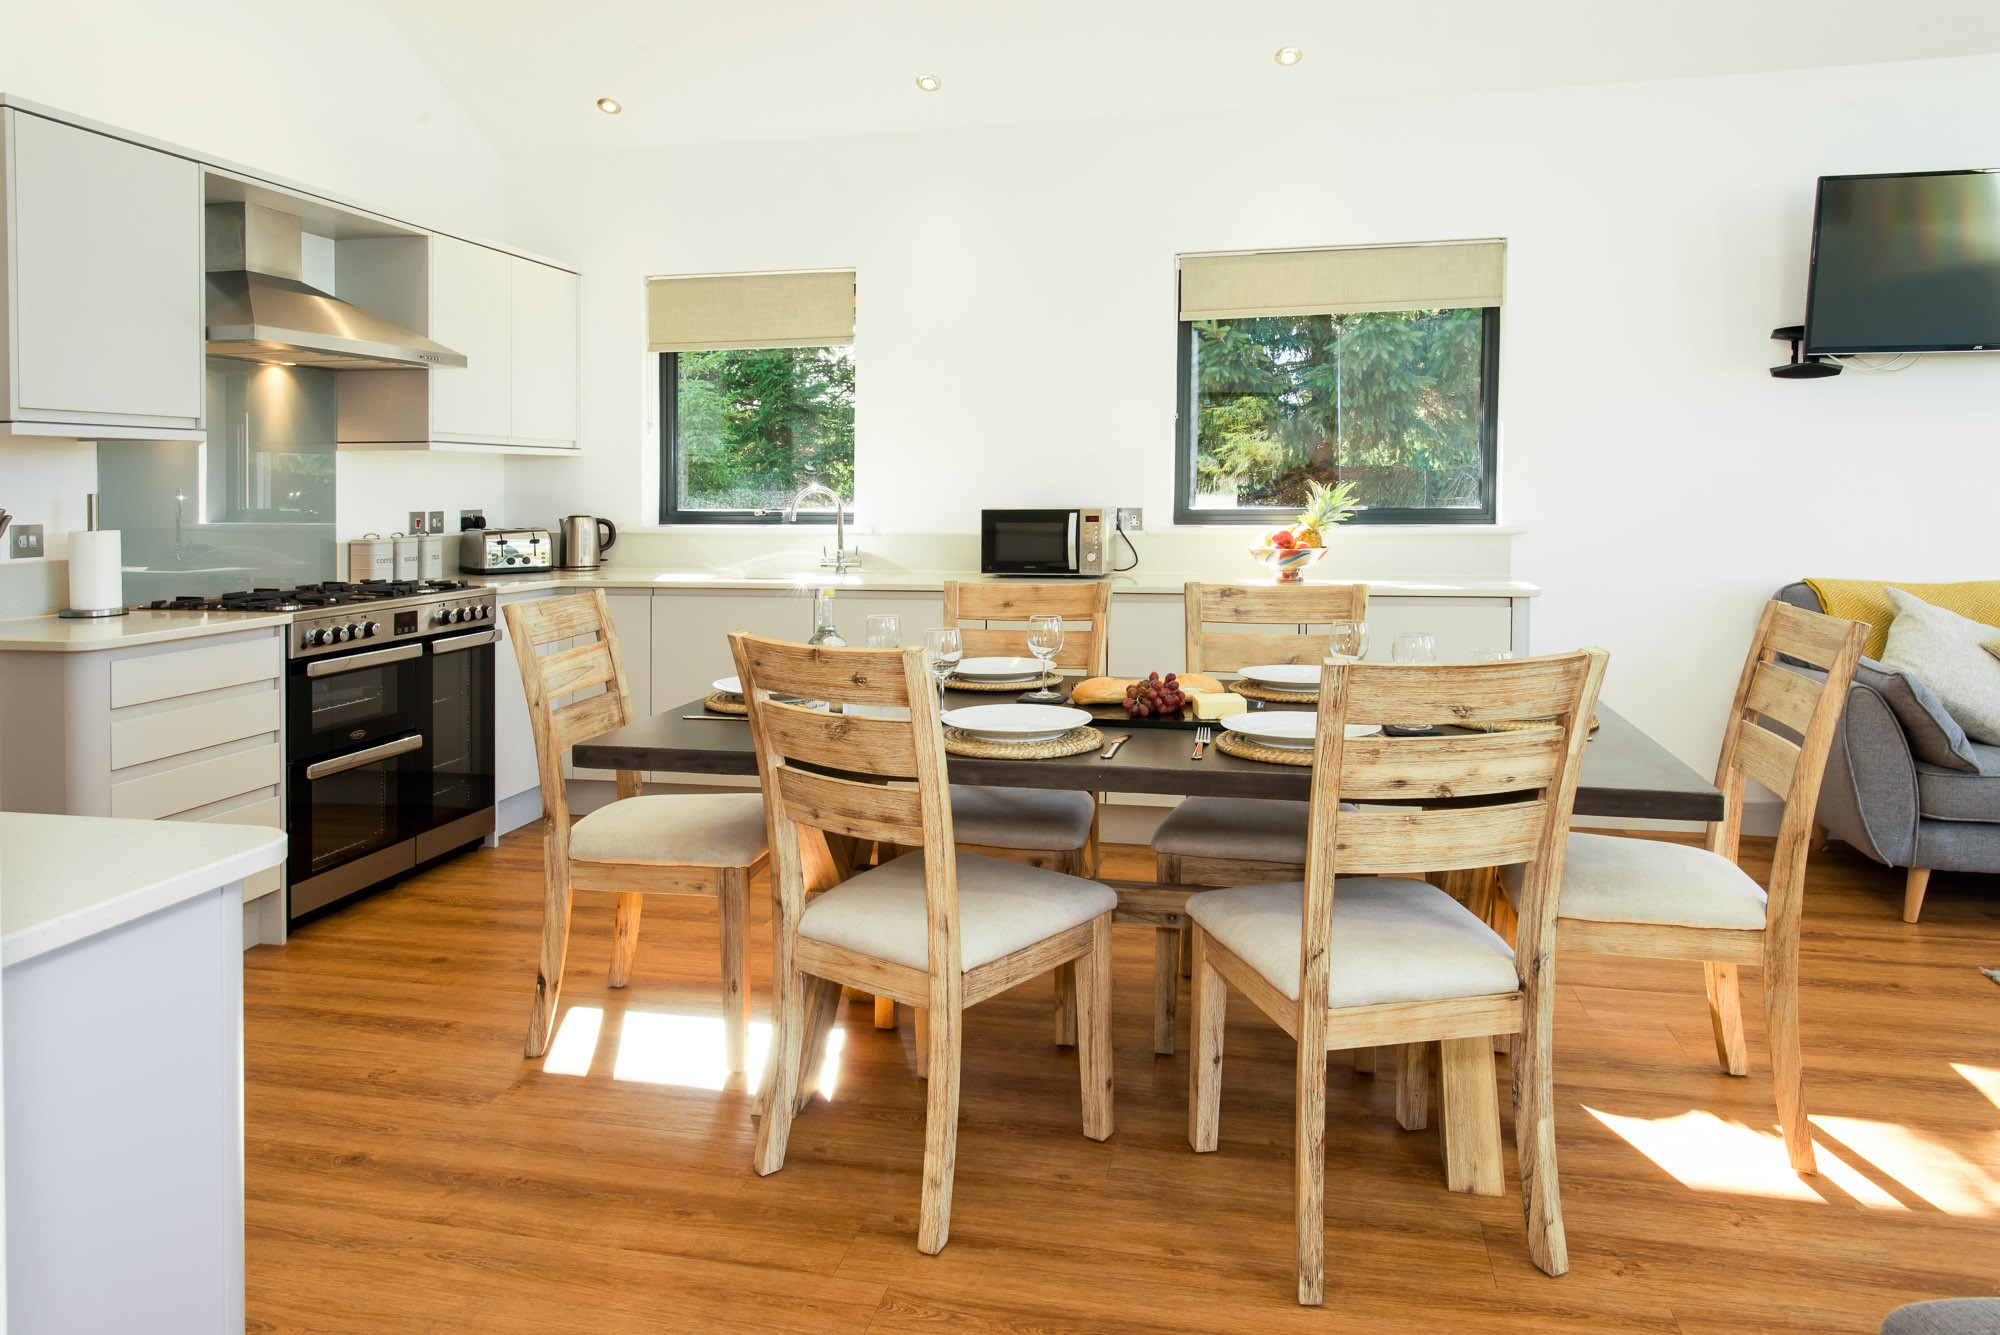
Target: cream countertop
{"x": 932, "y": 581}
{"x": 64, "y": 879}
{"x": 53, "y": 634}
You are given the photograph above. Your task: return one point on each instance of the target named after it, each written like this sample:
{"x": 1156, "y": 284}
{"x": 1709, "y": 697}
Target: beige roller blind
{"x": 1335, "y": 282}
{"x": 750, "y": 310}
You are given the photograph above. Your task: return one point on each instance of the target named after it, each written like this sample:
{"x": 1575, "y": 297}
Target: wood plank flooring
{"x": 409, "y": 1172}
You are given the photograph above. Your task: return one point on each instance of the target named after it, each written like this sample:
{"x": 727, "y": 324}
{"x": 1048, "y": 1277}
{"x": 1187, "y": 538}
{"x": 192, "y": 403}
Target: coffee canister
{"x": 430, "y": 555}
{"x": 371, "y": 556}
{"x": 409, "y": 560}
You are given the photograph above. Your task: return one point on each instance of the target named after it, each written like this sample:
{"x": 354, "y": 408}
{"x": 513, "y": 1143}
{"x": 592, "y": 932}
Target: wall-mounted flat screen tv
{"x": 1905, "y": 263}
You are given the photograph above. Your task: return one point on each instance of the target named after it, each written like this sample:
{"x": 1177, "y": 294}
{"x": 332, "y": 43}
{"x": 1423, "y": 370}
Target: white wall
{"x": 1016, "y": 322}
{"x": 330, "y": 96}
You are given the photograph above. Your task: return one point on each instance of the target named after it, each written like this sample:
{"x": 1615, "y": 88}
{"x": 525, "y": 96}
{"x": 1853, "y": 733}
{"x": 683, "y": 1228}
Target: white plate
{"x": 734, "y": 686}
{"x": 1291, "y": 728}
{"x": 1015, "y": 723}
{"x": 998, "y": 669}
{"x": 1289, "y": 676}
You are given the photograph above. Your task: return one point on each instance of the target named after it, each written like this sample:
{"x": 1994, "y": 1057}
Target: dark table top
{"x": 1625, "y": 772}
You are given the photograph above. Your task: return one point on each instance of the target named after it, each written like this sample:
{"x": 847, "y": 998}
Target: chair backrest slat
{"x": 1768, "y": 758}
{"x": 1392, "y": 769}
{"x": 552, "y": 675}
{"x": 1084, "y": 606}
{"x": 845, "y": 806}
{"x": 1781, "y": 694}
{"x": 1416, "y": 842}
{"x": 1292, "y": 605}
{"x": 581, "y": 720}
{"x": 852, "y": 742}
{"x": 813, "y": 672}
{"x": 1445, "y": 693}
{"x": 578, "y": 668}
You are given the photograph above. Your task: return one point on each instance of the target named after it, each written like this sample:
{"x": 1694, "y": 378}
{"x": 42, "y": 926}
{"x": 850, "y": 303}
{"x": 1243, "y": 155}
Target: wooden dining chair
{"x": 936, "y": 928}
{"x": 1362, "y": 953}
{"x": 1043, "y": 827}
{"x": 639, "y": 844}
{"x": 1224, "y": 841}
{"x": 1656, "y": 900}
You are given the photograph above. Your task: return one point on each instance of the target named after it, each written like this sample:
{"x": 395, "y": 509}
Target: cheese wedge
{"x": 1216, "y": 704}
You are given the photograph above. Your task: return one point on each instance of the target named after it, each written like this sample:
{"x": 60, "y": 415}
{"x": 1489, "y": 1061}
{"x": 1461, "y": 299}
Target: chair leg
{"x": 1187, "y": 952}
{"x": 940, "y": 1132}
{"x": 1364, "y": 1061}
{"x": 1413, "y": 1085}
{"x": 781, "y": 1084}
{"x": 923, "y": 1027}
{"x": 733, "y": 908}
{"x": 885, "y": 1012}
{"x": 1725, "y": 1012}
{"x": 1065, "y": 1004}
{"x": 625, "y": 937}
{"x": 1309, "y": 1174}
{"x": 1781, "y": 1009}
{"x": 549, "y": 970}
{"x": 1208, "y": 1003}
{"x": 1469, "y": 1117}
{"x": 1535, "y": 1133}
{"x": 1166, "y": 987}
{"x": 822, "y": 1006}
{"x": 1093, "y": 1030}
{"x": 1915, "y": 882}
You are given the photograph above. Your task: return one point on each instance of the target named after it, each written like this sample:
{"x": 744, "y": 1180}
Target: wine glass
{"x": 943, "y": 647}
{"x": 1349, "y": 640}
{"x": 884, "y": 631}
{"x": 1414, "y": 646}
{"x": 1045, "y": 641}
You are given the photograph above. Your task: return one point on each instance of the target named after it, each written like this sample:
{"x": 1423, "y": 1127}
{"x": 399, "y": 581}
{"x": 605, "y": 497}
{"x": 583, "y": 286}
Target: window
{"x": 1303, "y": 366}
{"x": 756, "y": 393}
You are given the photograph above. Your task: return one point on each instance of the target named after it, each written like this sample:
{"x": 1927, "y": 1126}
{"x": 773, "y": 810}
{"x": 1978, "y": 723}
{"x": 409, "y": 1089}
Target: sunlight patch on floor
{"x": 1705, "y": 1153}
{"x": 1936, "y": 1172}
{"x": 575, "y": 1042}
{"x": 1981, "y": 1078}
{"x": 668, "y": 1048}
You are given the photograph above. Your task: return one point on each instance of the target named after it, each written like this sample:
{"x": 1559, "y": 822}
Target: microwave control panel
{"x": 1091, "y": 544}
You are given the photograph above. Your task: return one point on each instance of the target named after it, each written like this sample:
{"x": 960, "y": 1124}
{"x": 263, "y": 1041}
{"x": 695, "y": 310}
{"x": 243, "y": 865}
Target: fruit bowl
{"x": 1288, "y": 564}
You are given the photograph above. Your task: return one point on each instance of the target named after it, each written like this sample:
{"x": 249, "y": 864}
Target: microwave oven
{"x": 1045, "y": 543}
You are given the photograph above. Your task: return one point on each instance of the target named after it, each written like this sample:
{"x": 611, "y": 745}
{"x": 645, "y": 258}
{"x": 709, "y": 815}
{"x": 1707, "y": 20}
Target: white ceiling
{"x": 529, "y": 71}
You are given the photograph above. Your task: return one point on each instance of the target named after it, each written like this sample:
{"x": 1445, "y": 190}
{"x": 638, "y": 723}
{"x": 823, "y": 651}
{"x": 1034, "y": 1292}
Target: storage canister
{"x": 430, "y": 555}
{"x": 371, "y": 556}
{"x": 409, "y": 561}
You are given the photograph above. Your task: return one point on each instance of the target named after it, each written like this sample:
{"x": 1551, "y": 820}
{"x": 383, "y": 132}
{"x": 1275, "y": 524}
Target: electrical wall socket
{"x": 1132, "y": 519}
{"x": 437, "y": 522}
{"x": 25, "y": 540}
{"x": 417, "y": 518}
{"x": 465, "y": 518}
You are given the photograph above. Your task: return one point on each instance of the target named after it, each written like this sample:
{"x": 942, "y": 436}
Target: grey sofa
{"x": 1904, "y": 784}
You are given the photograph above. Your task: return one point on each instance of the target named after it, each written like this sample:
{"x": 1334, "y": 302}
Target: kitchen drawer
{"x": 173, "y": 732}
{"x": 136, "y": 681}
{"x": 189, "y": 786}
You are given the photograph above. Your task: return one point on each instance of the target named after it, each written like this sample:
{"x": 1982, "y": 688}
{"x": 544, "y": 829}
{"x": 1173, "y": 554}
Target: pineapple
{"x": 1325, "y": 507}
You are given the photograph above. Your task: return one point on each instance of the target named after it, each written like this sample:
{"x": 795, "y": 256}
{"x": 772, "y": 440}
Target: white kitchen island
{"x": 121, "y": 1001}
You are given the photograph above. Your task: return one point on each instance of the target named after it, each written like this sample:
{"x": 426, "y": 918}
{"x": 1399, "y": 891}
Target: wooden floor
{"x": 409, "y": 1172}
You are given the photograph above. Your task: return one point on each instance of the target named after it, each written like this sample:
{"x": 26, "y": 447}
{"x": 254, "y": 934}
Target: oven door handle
{"x": 401, "y": 746}
{"x": 327, "y": 667}
{"x": 459, "y": 642}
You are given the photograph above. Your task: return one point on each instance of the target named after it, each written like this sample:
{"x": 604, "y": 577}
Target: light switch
{"x": 25, "y": 540}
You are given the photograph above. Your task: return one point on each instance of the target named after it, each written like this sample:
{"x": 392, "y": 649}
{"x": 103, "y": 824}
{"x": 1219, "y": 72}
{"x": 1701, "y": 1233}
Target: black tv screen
{"x": 1905, "y": 263}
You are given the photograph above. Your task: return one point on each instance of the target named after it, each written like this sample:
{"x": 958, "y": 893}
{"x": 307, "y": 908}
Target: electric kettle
{"x": 584, "y": 540}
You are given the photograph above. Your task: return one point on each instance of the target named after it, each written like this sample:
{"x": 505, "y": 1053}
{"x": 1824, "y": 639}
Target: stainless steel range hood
{"x": 259, "y": 309}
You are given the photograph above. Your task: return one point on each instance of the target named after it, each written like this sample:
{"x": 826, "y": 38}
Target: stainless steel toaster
{"x": 494, "y": 551}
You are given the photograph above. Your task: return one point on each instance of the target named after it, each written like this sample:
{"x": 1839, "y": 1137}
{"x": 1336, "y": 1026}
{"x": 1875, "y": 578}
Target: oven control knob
{"x": 353, "y": 631}
{"x": 482, "y": 612}
{"x": 459, "y": 615}
{"x": 370, "y": 629}
{"x": 317, "y": 637}
{"x": 336, "y": 635}
{"x": 442, "y": 618}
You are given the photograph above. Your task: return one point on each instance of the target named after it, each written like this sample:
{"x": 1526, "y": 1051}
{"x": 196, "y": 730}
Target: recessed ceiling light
{"x": 1289, "y": 55}
{"x": 930, "y": 83}
{"x": 610, "y": 106}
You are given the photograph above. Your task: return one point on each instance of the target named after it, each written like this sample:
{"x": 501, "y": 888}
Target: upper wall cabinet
{"x": 513, "y": 318}
{"x": 103, "y": 285}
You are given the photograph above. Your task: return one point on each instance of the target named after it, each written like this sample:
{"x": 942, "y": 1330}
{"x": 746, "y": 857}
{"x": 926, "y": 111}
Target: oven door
{"x": 345, "y": 702}
{"x": 352, "y": 819}
{"x": 1028, "y": 542}
{"x": 458, "y": 738}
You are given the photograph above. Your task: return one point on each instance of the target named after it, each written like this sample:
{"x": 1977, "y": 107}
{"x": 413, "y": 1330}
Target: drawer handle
{"x": 401, "y": 746}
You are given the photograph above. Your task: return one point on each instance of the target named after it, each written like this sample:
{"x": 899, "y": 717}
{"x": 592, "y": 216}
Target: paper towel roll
{"x": 96, "y": 571}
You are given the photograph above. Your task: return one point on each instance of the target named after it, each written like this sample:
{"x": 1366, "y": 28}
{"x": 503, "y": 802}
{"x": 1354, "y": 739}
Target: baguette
{"x": 1111, "y": 690}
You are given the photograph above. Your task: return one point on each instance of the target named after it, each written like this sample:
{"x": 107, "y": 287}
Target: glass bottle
{"x": 823, "y": 629}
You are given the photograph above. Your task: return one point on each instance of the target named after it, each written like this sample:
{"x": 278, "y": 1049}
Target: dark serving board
{"x": 1115, "y": 716}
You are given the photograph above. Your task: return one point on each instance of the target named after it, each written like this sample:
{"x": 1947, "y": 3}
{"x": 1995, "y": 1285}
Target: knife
{"x": 1116, "y": 742}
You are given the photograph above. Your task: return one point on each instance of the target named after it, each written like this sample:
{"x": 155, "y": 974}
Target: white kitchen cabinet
{"x": 517, "y": 782}
{"x": 103, "y": 285}
{"x": 543, "y": 355}
{"x": 632, "y": 618}
{"x": 470, "y": 309}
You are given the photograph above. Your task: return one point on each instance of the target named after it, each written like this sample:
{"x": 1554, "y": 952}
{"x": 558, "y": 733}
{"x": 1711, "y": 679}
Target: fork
{"x": 1202, "y": 737}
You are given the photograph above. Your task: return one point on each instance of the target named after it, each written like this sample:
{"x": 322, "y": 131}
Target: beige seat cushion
{"x": 1258, "y": 829}
{"x": 1393, "y": 940}
{"x": 1610, "y": 879}
{"x": 698, "y": 830}
{"x": 1021, "y": 817}
{"x": 1002, "y": 907}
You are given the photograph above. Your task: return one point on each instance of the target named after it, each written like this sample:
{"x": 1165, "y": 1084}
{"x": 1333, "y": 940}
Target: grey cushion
{"x": 1946, "y": 650}
{"x": 1028, "y": 818}
{"x": 1946, "y": 794}
{"x": 1393, "y": 940}
{"x": 698, "y": 830}
{"x": 1934, "y": 735}
{"x": 1947, "y": 1316}
{"x": 1607, "y": 878}
{"x": 1002, "y": 907}
{"x": 1256, "y": 829}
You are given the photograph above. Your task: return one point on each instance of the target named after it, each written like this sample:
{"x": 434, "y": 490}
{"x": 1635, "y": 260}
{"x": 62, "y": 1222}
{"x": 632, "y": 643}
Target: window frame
{"x": 1188, "y": 412}
{"x": 670, "y": 430}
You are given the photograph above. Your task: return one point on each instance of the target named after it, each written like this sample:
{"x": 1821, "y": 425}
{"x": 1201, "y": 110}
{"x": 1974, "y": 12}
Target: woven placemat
{"x": 718, "y": 703}
{"x": 1250, "y": 690}
{"x": 1529, "y": 724}
{"x": 1236, "y": 744}
{"x": 1036, "y": 684}
{"x": 1072, "y": 743}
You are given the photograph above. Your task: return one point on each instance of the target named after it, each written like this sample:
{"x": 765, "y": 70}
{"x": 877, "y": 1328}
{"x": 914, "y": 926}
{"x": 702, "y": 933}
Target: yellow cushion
{"x": 1864, "y": 600}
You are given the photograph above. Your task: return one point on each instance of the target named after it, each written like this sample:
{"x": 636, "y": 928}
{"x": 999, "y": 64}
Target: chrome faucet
{"x": 841, "y": 560}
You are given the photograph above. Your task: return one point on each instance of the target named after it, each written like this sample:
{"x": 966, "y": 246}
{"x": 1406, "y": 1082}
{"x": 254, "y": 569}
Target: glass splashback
{"x": 253, "y": 505}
